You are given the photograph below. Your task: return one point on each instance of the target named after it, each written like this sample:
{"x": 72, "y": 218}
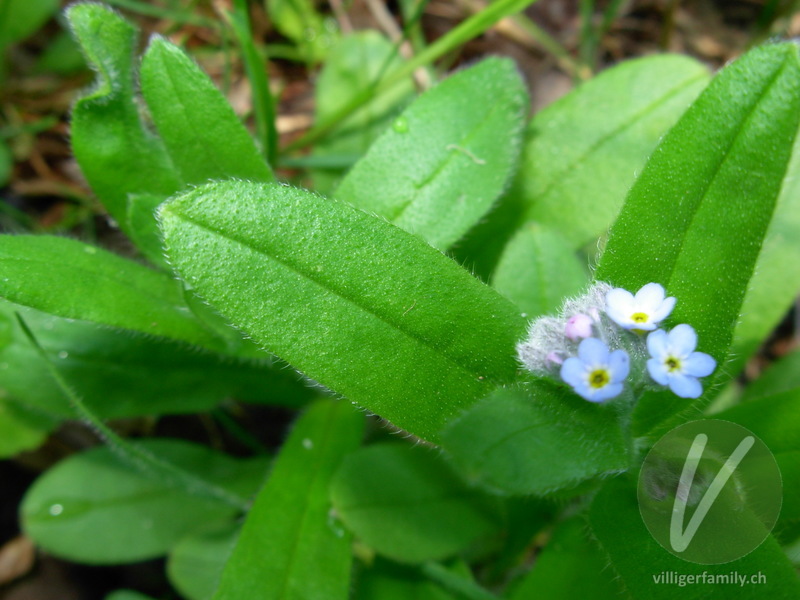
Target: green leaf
{"x": 538, "y": 270}
{"x": 364, "y": 308}
{"x": 78, "y": 281}
{"x": 535, "y": 441}
{"x": 289, "y": 547}
{"x": 437, "y": 171}
{"x": 637, "y": 558}
{"x": 21, "y": 18}
{"x": 300, "y": 22}
{"x": 770, "y": 406}
{"x": 120, "y": 375}
{"x": 695, "y": 219}
{"x": 20, "y": 429}
{"x": 196, "y": 562}
{"x": 354, "y": 64}
{"x": 116, "y": 152}
{"x": 409, "y": 505}
{"x": 582, "y": 153}
{"x": 570, "y": 566}
{"x": 789, "y": 465}
{"x": 81, "y": 508}
{"x": 385, "y": 580}
{"x": 201, "y": 132}
{"x": 776, "y": 277}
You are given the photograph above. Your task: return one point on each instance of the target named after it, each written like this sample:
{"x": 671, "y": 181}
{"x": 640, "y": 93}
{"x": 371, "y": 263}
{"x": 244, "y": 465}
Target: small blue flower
{"x": 675, "y": 363}
{"x": 643, "y": 311}
{"x": 596, "y": 374}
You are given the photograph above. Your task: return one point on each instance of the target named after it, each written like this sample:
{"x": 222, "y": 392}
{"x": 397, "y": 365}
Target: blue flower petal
{"x": 685, "y": 386}
{"x": 683, "y": 340}
{"x": 657, "y": 371}
{"x": 650, "y": 295}
{"x": 605, "y": 393}
{"x": 619, "y": 364}
{"x": 572, "y": 371}
{"x": 593, "y": 352}
{"x": 699, "y": 364}
{"x": 657, "y": 344}
{"x": 663, "y": 311}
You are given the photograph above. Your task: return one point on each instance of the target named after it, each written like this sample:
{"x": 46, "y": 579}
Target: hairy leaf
{"x": 408, "y": 504}
{"x": 582, "y": 153}
{"x": 121, "y": 375}
{"x": 78, "y": 281}
{"x": 201, "y": 132}
{"x": 290, "y": 547}
{"x": 84, "y": 506}
{"x": 364, "y": 308}
{"x": 538, "y": 270}
{"x": 638, "y": 559}
{"x": 696, "y": 217}
{"x": 437, "y": 171}
{"x": 115, "y": 151}
{"x": 535, "y": 441}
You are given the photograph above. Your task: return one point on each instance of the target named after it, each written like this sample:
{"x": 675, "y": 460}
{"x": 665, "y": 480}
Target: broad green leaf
{"x": 518, "y": 441}
{"x": 638, "y": 559}
{"x": 21, "y": 18}
{"x": 776, "y": 277}
{"x": 538, "y": 270}
{"x": 121, "y": 375}
{"x": 355, "y": 63}
{"x": 789, "y": 464}
{"x": 385, "y": 580}
{"x": 290, "y": 546}
{"x": 20, "y": 429}
{"x": 583, "y": 152}
{"x": 570, "y": 566}
{"x": 87, "y": 504}
{"x": 770, "y": 406}
{"x": 695, "y": 219}
{"x": 201, "y": 132}
{"x": 116, "y": 152}
{"x": 77, "y": 281}
{"x": 775, "y": 419}
{"x": 409, "y": 505}
{"x": 300, "y": 22}
{"x": 195, "y": 563}
{"x": 437, "y": 171}
{"x": 353, "y": 302}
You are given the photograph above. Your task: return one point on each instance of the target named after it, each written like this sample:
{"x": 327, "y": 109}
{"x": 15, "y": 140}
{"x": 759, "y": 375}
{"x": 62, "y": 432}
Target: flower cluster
{"x": 609, "y": 337}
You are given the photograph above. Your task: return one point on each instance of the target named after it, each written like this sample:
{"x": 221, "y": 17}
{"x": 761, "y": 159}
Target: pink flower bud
{"x": 578, "y": 326}
{"x": 554, "y": 358}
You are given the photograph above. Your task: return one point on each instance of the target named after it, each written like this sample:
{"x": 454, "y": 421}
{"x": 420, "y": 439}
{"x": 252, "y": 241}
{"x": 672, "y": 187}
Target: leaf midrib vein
{"x": 331, "y": 288}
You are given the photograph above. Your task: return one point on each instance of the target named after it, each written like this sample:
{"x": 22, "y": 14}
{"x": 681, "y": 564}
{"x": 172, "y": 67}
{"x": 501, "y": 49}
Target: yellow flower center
{"x": 599, "y": 378}
{"x": 639, "y": 318}
{"x": 673, "y": 364}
